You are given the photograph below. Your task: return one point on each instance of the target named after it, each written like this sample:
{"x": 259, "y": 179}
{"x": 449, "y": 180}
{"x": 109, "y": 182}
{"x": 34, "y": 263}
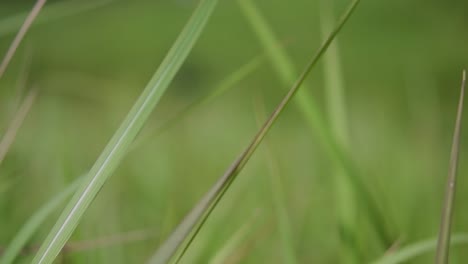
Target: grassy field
{"x": 379, "y": 107}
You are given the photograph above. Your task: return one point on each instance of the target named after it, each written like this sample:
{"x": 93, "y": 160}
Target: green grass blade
{"x": 309, "y": 108}
{"x": 442, "y": 254}
{"x": 34, "y": 223}
{"x": 407, "y": 253}
{"x": 123, "y": 137}
{"x": 334, "y": 92}
{"x": 51, "y": 12}
{"x": 201, "y": 211}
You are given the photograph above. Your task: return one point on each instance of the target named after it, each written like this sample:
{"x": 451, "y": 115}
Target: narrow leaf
{"x": 442, "y": 254}
{"x": 204, "y": 207}
{"x": 123, "y": 137}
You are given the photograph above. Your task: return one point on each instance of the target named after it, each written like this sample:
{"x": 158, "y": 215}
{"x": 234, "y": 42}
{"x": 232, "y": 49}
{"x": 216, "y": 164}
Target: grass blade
{"x": 123, "y": 137}
{"x": 345, "y": 193}
{"x": 306, "y": 104}
{"x": 51, "y": 12}
{"x": 443, "y": 243}
{"x": 204, "y": 207}
{"x": 19, "y": 37}
{"x": 18, "y": 119}
{"x": 34, "y": 223}
{"x": 407, "y": 253}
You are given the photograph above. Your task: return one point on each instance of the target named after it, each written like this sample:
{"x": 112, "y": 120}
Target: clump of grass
{"x": 187, "y": 230}
{"x": 123, "y": 137}
{"x": 443, "y": 242}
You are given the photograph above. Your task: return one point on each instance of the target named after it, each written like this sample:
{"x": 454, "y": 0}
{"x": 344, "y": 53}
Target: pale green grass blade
{"x": 20, "y": 35}
{"x": 279, "y": 197}
{"x": 123, "y": 137}
{"x": 198, "y": 215}
{"x": 51, "y": 12}
{"x": 345, "y": 194}
{"x": 307, "y": 105}
{"x": 443, "y": 244}
{"x": 224, "y": 86}
{"x": 409, "y": 252}
{"x": 34, "y": 223}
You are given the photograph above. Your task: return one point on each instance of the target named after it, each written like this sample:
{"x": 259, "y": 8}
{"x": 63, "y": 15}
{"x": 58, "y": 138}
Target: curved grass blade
{"x": 285, "y": 69}
{"x": 442, "y": 254}
{"x": 51, "y": 12}
{"x": 126, "y": 133}
{"x": 198, "y": 215}
{"x": 34, "y": 223}
{"x": 20, "y": 35}
{"x": 407, "y": 253}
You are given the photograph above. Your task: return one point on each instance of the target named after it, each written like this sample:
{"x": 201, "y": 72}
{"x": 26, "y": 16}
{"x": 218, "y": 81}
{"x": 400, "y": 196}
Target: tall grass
{"x": 443, "y": 243}
{"x": 186, "y": 231}
{"x": 123, "y": 137}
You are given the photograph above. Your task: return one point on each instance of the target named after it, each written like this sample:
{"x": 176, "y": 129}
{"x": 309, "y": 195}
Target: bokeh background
{"x": 401, "y": 63}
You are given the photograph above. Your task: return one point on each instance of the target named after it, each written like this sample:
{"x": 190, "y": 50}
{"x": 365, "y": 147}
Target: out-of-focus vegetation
{"x": 401, "y": 63}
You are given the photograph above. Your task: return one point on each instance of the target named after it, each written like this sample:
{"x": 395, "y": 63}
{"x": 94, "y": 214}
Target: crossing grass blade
{"x": 404, "y": 255}
{"x": 191, "y": 224}
{"x": 126, "y": 133}
{"x": 49, "y": 13}
{"x": 31, "y": 226}
{"x": 286, "y": 71}
{"x": 443, "y": 243}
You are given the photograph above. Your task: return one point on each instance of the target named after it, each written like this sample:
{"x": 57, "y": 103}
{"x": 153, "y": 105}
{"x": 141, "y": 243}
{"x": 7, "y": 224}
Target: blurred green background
{"x": 401, "y": 63}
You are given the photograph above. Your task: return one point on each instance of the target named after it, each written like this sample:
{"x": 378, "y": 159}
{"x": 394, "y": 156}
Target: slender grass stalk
{"x": 409, "y": 252}
{"x": 345, "y": 193}
{"x": 17, "y": 121}
{"x": 20, "y": 35}
{"x": 443, "y": 242}
{"x": 126, "y": 133}
{"x": 29, "y": 228}
{"x": 279, "y": 197}
{"x": 192, "y": 223}
{"x": 49, "y": 13}
{"x": 285, "y": 69}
